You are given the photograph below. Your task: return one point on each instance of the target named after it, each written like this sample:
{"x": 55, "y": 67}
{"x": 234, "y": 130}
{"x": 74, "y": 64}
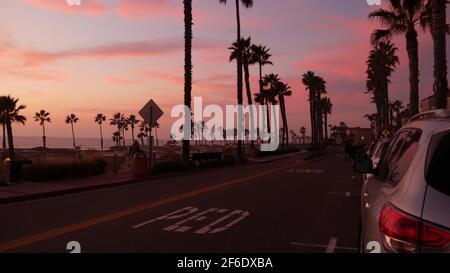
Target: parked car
{"x": 405, "y": 204}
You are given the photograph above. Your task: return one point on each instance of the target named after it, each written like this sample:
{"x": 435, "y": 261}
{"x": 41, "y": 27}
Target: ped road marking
{"x": 25, "y": 241}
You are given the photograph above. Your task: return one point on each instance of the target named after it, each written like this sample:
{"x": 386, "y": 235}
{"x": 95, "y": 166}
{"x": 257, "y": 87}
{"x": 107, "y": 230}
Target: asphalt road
{"x": 289, "y": 205}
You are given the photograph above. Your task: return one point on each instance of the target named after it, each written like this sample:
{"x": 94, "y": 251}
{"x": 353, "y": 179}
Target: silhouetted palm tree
{"x": 282, "y": 90}
{"x": 247, "y": 4}
{"x": 42, "y": 117}
{"x": 10, "y": 113}
{"x": 187, "y": 71}
{"x": 156, "y": 127}
{"x": 327, "y": 108}
{"x": 247, "y": 60}
{"x": 100, "y": 118}
{"x": 381, "y": 63}
{"x": 396, "y": 107}
{"x": 316, "y": 86}
{"x": 132, "y": 121}
{"x": 402, "y": 18}
{"x": 262, "y": 57}
{"x": 117, "y": 136}
{"x": 72, "y": 119}
{"x": 439, "y": 30}
{"x": 118, "y": 120}
{"x": 144, "y": 130}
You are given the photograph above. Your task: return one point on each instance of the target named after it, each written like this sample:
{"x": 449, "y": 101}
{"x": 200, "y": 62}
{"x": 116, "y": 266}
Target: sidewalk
{"x": 28, "y": 191}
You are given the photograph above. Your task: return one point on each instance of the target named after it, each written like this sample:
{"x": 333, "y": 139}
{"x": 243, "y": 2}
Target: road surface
{"x": 289, "y": 205}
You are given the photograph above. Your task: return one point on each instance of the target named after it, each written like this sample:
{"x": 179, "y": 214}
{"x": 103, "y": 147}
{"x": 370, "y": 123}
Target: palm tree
{"x": 247, "y": 60}
{"x": 396, "y": 107}
{"x": 261, "y": 56}
{"x": 402, "y": 18}
{"x": 118, "y": 120}
{"x": 132, "y": 121}
{"x": 72, "y": 119}
{"x": 42, "y": 117}
{"x": 439, "y": 29}
{"x": 283, "y": 90}
{"x": 327, "y": 108}
{"x": 381, "y": 63}
{"x": 247, "y": 4}
{"x": 10, "y": 113}
{"x": 144, "y": 131}
{"x": 316, "y": 86}
{"x": 3, "y": 121}
{"x": 187, "y": 71}
{"x": 156, "y": 127}
{"x": 100, "y": 118}
{"x": 117, "y": 136}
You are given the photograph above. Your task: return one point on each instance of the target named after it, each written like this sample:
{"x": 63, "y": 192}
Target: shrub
{"x": 63, "y": 168}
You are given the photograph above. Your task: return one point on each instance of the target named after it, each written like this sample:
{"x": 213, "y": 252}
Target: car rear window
{"x": 438, "y": 174}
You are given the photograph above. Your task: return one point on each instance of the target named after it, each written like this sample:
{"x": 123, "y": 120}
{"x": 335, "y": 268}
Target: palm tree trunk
{"x": 249, "y": 95}
{"x": 4, "y": 135}
{"x": 73, "y": 136}
{"x": 10, "y": 138}
{"x": 440, "y": 54}
{"x": 44, "y": 139}
{"x": 285, "y": 122}
{"x": 187, "y": 70}
{"x": 156, "y": 136}
{"x": 239, "y": 73}
{"x": 325, "y": 126}
{"x": 412, "y": 47}
{"x": 311, "y": 112}
{"x": 101, "y": 137}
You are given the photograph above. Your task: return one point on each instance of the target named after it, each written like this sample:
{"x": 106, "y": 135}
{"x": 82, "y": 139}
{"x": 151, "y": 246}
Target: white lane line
{"x": 323, "y": 246}
{"x": 331, "y": 245}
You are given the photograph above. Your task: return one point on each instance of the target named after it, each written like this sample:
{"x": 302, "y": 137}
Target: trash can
{"x": 140, "y": 165}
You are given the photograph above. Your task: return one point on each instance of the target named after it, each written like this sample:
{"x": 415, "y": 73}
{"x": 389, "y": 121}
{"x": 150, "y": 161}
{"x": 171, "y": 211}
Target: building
{"x": 430, "y": 103}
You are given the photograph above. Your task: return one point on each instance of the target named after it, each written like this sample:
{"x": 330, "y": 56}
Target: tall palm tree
{"x": 132, "y": 121}
{"x": 42, "y": 117}
{"x": 10, "y": 113}
{"x": 3, "y": 101}
{"x": 261, "y": 56}
{"x": 144, "y": 130}
{"x": 269, "y": 95}
{"x": 247, "y": 60}
{"x": 327, "y": 108}
{"x": 72, "y": 119}
{"x": 401, "y": 18}
{"x": 117, "y": 120}
{"x": 187, "y": 71}
{"x": 100, "y": 118}
{"x": 381, "y": 63}
{"x": 247, "y": 4}
{"x": 116, "y": 137}
{"x": 316, "y": 86}
{"x": 439, "y": 30}
{"x": 282, "y": 90}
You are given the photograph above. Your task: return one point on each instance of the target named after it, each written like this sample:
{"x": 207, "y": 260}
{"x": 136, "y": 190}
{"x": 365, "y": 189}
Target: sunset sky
{"x": 114, "y": 55}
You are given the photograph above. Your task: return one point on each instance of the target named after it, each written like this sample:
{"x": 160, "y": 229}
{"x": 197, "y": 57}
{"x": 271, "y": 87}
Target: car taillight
{"x": 433, "y": 237}
{"x": 404, "y": 233}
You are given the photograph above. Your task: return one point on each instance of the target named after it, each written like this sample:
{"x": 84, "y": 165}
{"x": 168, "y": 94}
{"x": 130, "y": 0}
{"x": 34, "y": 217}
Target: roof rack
{"x": 434, "y": 114}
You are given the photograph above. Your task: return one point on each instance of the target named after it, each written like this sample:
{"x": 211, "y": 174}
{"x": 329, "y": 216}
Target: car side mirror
{"x": 364, "y": 166}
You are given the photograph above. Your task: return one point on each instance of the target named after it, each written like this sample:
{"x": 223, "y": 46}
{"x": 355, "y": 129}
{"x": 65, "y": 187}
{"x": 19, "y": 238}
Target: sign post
{"x": 151, "y": 113}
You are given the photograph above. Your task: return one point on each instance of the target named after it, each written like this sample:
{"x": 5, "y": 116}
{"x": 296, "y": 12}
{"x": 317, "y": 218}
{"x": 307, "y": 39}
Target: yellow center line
{"x": 25, "y": 241}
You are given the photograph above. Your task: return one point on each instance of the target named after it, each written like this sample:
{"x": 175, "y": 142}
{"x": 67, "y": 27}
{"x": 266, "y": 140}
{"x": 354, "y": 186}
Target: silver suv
{"x": 405, "y": 203}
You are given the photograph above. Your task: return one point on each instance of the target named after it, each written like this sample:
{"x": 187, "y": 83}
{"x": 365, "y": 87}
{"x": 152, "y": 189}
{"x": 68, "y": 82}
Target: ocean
{"x": 85, "y": 143}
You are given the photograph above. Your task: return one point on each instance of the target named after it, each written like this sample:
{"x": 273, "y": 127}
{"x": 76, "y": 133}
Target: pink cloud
{"x": 88, "y": 6}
